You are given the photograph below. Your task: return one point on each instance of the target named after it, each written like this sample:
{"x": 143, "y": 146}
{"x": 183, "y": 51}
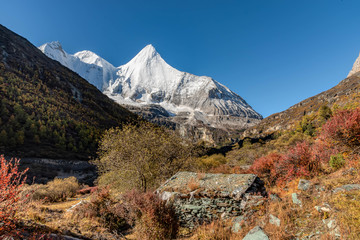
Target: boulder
{"x": 236, "y": 227}
{"x": 295, "y": 199}
{"x": 304, "y": 185}
{"x": 347, "y": 187}
{"x": 274, "y": 220}
{"x": 256, "y": 234}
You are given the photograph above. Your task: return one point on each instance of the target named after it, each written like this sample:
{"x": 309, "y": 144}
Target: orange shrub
{"x": 11, "y": 182}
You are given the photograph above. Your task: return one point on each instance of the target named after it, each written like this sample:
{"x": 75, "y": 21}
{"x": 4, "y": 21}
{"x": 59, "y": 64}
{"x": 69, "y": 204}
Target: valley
{"x": 145, "y": 151}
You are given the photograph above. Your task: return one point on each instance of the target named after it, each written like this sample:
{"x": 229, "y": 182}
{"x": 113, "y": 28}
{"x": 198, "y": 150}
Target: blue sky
{"x": 272, "y": 53}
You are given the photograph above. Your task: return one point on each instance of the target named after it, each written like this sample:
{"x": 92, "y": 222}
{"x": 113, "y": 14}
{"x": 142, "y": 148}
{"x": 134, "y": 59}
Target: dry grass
{"x": 193, "y": 184}
{"x": 217, "y": 230}
{"x": 56, "y": 218}
{"x": 54, "y": 191}
{"x": 348, "y": 216}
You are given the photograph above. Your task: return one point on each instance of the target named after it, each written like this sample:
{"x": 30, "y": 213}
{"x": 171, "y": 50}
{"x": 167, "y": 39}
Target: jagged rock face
{"x": 356, "y": 67}
{"x": 148, "y": 82}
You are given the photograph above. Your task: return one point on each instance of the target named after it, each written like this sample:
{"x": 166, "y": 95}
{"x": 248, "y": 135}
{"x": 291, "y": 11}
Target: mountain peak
{"x": 87, "y": 56}
{"x": 52, "y": 48}
{"x": 356, "y": 67}
{"x": 147, "y": 53}
{"x": 53, "y": 45}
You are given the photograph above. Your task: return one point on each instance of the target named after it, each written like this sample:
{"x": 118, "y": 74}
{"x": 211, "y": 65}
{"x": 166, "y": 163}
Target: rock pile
{"x": 200, "y": 198}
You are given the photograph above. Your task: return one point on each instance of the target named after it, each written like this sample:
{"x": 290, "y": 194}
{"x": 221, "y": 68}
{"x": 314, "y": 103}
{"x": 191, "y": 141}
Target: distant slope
{"x": 47, "y": 110}
{"x": 347, "y": 90}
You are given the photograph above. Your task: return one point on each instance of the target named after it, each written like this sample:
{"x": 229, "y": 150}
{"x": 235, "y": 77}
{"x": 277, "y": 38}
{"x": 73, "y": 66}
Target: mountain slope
{"x": 147, "y": 80}
{"x": 346, "y": 91}
{"x": 47, "y": 110}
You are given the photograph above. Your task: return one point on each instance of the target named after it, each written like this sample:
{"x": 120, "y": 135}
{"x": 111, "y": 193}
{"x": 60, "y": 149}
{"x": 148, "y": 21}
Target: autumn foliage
{"x": 266, "y": 167}
{"x": 155, "y": 219}
{"x": 302, "y": 160}
{"x": 11, "y": 182}
{"x": 343, "y": 129}
{"x": 280, "y": 168}
{"x": 341, "y": 133}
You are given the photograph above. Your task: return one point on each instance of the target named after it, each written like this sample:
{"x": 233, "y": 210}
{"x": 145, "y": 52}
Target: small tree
{"x": 140, "y": 156}
{"x": 11, "y": 182}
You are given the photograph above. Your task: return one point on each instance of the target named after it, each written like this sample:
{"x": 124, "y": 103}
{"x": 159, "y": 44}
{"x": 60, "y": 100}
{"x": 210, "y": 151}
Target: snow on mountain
{"x": 356, "y": 67}
{"x": 86, "y": 63}
{"x": 148, "y": 79}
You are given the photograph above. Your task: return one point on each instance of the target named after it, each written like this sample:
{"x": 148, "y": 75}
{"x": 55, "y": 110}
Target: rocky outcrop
{"x": 356, "y": 67}
{"x": 200, "y": 198}
{"x": 256, "y": 234}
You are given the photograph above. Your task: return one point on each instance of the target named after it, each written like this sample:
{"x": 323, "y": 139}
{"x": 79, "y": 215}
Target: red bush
{"x": 343, "y": 129}
{"x": 11, "y": 182}
{"x": 154, "y": 218}
{"x": 298, "y": 162}
{"x": 106, "y": 210}
{"x": 322, "y": 151}
{"x": 266, "y": 167}
{"x": 302, "y": 160}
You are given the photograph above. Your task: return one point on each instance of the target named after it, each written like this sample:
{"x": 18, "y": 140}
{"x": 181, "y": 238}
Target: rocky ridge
{"x": 341, "y": 94}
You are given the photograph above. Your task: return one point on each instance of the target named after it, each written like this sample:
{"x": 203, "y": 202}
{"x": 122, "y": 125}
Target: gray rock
{"x": 325, "y": 207}
{"x": 256, "y": 234}
{"x": 167, "y": 195}
{"x": 330, "y": 223}
{"x": 274, "y": 197}
{"x": 274, "y": 220}
{"x": 236, "y": 227}
{"x": 346, "y": 188}
{"x": 192, "y": 207}
{"x": 295, "y": 199}
{"x": 238, "y": 219}
{"x": 304, "y": 185}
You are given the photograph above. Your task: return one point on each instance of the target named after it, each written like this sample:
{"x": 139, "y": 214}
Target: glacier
{"x": 147, "y": 80}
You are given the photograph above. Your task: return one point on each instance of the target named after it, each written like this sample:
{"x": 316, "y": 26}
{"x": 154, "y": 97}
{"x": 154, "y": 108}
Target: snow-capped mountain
{"x": 85, "y": 63}
{"x": 356, "y": 67}
{"x": 147, "y": 80}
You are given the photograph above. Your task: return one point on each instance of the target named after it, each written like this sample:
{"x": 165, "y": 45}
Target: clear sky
{"x": 273, "y": 53}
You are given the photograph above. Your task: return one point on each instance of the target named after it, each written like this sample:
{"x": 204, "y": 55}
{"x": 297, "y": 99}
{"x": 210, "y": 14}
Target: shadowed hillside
{"x": 46, "y": 110}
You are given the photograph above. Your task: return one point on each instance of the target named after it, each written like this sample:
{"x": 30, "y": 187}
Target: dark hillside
{"x": 47, "y": 110}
